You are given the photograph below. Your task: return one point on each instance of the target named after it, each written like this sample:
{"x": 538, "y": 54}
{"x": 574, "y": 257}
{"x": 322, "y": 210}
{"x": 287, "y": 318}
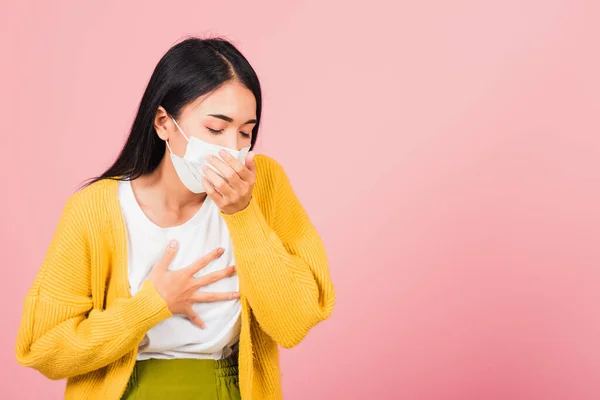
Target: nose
{"x": 233, "y": 142}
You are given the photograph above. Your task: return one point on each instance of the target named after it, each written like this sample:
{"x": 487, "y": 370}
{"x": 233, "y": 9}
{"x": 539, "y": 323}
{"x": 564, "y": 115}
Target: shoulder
{"x": 272, "y": 181}
{"x": 267, "y": 163}
{"x": 268, "y": 170}
{"x": 91, "y": 200}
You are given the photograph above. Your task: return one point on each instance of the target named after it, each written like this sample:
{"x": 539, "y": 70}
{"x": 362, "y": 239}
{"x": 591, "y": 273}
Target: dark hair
{"x": 190, "y": 69}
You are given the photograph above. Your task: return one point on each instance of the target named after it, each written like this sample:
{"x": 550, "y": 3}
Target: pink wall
{"x": 449, "y": 155}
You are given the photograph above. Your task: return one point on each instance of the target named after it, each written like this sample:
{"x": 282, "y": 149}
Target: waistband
{"x": 220, "y": 368}
{"x": 191, "y": 373}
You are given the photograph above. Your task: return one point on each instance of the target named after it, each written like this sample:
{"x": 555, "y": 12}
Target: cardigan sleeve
{"x": 282, "y": 267}
{"x": 61, "y": 334}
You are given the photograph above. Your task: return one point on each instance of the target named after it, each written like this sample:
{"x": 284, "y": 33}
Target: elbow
{"x": 53, "y": 374}
{"x": 297, "y": 331}
{"x": 44, "y": 365}
{"x": 301, "y": 324}
{"x": 288, "y": 333}
{"x": 290, "y": 328}
{"x": 292, "y": 338}
{"x": 49, "y": 371}
{"x": 290, "y": 342}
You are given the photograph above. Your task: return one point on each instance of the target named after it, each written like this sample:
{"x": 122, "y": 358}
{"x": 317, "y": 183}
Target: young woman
{"x": 178, "y": 272}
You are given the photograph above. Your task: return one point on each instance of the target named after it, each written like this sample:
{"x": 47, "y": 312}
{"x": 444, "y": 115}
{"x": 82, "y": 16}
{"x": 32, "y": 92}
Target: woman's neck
{"x": 163, "y": 187}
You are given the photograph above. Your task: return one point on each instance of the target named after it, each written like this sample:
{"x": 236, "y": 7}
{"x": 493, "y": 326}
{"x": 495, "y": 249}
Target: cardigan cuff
{"x": 248, "y": 219}
{"x": 148, "y": 308}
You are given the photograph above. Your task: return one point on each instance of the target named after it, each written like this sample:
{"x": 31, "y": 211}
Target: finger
{"x": 213, "y": 277}
{"x": 250, "y": 164}
{"x": 194, "y": 318}
{"x": 203, "y": 261}
{"x": 244, "y": 173}
{"x": 226, "y": 171}
{"x": 218, "y": 182}
{"x": 213, "y": 193}
{"x": 211, "y": 297}
{"x": 170, "y": 252}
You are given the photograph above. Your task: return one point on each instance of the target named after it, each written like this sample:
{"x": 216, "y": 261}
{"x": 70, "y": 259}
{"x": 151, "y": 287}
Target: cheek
{"x": 178, "y": 146}
{"x": 227, "y": 138}
{"x": 210, "y": 138}
{"x": 244, "y": 142}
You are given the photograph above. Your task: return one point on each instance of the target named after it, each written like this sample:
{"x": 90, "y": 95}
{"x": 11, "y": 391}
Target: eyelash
{"x": 214, "y": 132}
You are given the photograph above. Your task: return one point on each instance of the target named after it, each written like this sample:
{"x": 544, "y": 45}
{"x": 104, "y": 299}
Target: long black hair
{"x": 190, "y": 69}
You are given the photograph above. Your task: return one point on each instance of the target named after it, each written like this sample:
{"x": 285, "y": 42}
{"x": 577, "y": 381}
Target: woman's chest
{"x": 145, "y": 247}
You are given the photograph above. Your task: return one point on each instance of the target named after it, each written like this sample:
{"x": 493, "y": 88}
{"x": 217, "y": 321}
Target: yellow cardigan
{"x": 80, "y": 321}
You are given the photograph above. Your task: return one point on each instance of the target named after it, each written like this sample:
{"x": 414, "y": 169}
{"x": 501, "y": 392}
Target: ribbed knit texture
{"x": 81, "y": 323}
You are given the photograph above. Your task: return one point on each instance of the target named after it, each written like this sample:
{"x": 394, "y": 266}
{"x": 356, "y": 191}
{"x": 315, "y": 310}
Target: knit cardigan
{"x": 81, "y": 323}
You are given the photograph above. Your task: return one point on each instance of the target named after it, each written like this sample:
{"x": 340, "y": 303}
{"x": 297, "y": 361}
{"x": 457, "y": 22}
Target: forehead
{"x": 232, "y": 99}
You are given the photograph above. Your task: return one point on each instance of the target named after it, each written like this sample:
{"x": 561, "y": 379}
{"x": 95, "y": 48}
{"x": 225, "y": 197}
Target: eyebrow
{"x": 229, "y": 119}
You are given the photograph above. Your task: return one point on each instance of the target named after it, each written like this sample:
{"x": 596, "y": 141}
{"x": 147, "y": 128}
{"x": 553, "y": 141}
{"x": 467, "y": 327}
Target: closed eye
{"x": 218, "y": 132}
{"x": 214, "y": 132}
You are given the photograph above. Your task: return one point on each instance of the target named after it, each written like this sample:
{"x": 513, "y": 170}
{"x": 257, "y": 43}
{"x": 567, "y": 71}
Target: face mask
{"x": 189, "y": 168}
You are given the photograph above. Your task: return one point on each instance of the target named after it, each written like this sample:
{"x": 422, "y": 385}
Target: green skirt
{"x": 184, "y": 378}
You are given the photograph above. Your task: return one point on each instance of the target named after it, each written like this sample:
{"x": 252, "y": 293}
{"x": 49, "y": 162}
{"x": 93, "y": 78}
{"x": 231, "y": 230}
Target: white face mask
{"x": 189, "y": 168}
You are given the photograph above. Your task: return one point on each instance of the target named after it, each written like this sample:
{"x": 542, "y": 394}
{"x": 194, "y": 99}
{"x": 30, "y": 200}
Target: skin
{"x": 167, "y": 202}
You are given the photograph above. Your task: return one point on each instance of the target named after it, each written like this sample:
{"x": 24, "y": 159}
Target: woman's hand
{"x": 179, "y": 288}
{"x": 233, "y": 192}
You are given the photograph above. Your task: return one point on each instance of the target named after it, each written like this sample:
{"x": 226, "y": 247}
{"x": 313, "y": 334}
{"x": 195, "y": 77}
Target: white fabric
{"x": 189, "y": 167}
{"x": 177, "y": 337}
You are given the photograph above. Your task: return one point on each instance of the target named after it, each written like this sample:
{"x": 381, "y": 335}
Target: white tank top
{"x": 178, "y": 337}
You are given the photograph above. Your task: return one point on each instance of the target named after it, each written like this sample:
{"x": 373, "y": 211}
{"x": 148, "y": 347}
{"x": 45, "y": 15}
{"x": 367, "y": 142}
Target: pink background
{"x": 447, "y": 151}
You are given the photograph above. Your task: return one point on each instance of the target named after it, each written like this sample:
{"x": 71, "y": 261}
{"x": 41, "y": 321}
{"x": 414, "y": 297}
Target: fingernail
{"x": 173, "y": 243}
{"x": 221, "y": 251}
{"x": 223, "y": 153}
{"x": 233, "y": 268}
{"x": 236, "y": 295}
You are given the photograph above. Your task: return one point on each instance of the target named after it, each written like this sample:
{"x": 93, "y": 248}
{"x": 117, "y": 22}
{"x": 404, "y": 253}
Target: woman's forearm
{"x": 62, "y": 339}
{"x": 286, "y": 281}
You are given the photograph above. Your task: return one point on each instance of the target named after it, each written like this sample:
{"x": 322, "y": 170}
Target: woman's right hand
{"x": 179, "y": 288}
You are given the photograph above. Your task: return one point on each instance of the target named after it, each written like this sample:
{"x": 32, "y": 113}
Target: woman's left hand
{"x": 233, "y": 193}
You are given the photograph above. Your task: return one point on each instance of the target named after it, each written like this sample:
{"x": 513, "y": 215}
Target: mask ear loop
{"x": 167, "y": 142}
{"x": 177, "y": 125}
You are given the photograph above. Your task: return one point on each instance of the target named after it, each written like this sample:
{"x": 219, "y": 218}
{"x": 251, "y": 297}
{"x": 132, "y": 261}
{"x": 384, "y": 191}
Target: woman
{"x": 137, "y": 296}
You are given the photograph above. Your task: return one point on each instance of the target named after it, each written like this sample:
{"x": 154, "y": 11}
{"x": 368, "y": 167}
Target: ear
{"x": 161, "y": 123}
